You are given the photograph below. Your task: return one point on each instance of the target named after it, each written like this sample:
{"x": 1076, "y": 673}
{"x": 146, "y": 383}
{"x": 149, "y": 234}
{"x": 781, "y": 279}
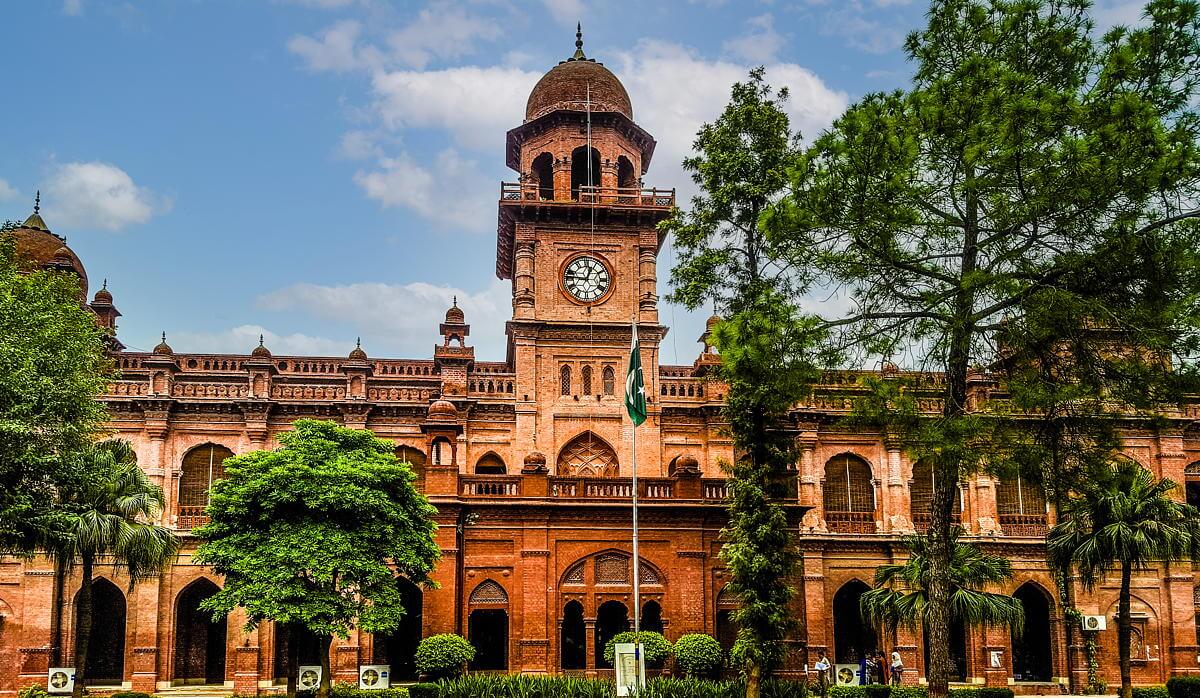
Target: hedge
{"x": 1150, "y": 692}
{"x": 424, "y": 690}
{"x": 656, "y": 646}
{"x": 1183, "y": 687}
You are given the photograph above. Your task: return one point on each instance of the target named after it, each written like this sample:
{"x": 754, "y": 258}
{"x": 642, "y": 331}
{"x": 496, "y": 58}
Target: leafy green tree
{"x": 724, "y": 257}
{"x": 1027, "y": 152}
{"x": 53, "y": 368}
{"x": 314, "y": 534}
{"x": 901, "y": 596}
{"x": 1123, "y": 519}
{"x": 108, "y": 515}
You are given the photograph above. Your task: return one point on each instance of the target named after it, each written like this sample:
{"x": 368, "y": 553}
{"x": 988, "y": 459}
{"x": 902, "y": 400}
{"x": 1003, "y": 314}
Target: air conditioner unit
{"x": 847, "y": 674}
{"x": 308, "y": 678}
{"x": 60, "y": 680}
{"x": 372, "y": 676}
{"x": 1094, "y": 623}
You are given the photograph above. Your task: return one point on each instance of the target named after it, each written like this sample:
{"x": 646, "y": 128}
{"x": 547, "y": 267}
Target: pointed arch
{"x": 852, "y": 636}
{"x": 541, "y": 174}
{"x": 849, "y": 494}
{"x": 587, "y": 455}
{"x": 488, "y": 593}
{"x": 490, "y": 464}
{"x": 200, "y": 468}
{"x": 199, "y": 640}
{"x": 106, "y": 647}
{"x": 585, "y": 378}
{"x": 610, "y": 380}
{"x": 1033, "y": 647}
{"x": 564, "y": 379}
{"x": 585, "y": 169}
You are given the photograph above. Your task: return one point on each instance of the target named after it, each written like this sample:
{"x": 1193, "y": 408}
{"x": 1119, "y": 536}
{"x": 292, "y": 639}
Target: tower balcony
{"x": 639, "y": 197}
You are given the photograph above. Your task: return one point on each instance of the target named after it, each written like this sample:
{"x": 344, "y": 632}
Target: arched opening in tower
{"x": 574, "y": 637}
{"x": 398, "y": 649}
{"x": 611, "y": 619}
{"x": 626, "y": 179}
{"x": 581, "y": 174}
{"x": 199, "y": 640}
{"x": 542, "y": 172}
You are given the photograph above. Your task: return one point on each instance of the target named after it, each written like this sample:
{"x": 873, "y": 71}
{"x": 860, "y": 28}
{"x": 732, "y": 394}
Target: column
{"x": 810, "y": 481}
{"x": 589, "y": 629}
{"x": 897, "y": 499}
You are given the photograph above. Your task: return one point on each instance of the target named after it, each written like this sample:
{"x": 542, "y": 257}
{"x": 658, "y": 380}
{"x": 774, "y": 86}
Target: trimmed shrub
{"x": 351, "y": 690}
{"x": 424, "y": 690}
{"x": 1150, "y": 692}
{"x": 655, "y": 645}
{"x": 909, "y": 692}
{"x": 699, "y": 655}
{"x": 518, "y": 686}
{"x": 1183, "y": 687}
{"x": 443, "y": 656}
{"x": 33, "y": 692}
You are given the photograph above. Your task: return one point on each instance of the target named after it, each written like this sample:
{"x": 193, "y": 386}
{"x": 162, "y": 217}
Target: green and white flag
{"x": 635, "y": 387}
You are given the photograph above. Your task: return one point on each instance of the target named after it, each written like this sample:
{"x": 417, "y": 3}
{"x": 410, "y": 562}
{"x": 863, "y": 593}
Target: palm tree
{"x": 900, "y": 596}
{"x": 110, "y": 513}
{"x": 1122, "y": 518}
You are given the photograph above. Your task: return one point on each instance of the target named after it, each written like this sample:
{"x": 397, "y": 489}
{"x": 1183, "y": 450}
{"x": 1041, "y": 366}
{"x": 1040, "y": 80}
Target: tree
{"x": 742, "y": 166}
{"x": 901, "y": 593}
{"x": 53, "y": 368}
{"x": 1026, "y": 153}
{"x": 314, "y": 534}
{"x": 107, "y": 516}
{"x": 1123, "y": 519}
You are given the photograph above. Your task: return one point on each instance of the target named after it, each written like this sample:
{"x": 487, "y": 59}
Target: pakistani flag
{"x": 635, "y": 388}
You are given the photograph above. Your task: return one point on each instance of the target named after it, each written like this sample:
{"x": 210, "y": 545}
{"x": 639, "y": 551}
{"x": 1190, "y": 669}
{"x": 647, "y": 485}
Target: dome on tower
{"x": 566, "y": 86}
{"x": 163, "y": 349}
{"x": 357, "y": 353}
{"x": 442, "y": 411}
{"x": 103, "y": 296}
{"x": 37, "y": 246}
{"x": 261, "y": 351}
{"x": 455, "y": 316}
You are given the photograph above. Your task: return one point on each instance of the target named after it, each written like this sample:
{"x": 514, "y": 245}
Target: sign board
{"x": 60, "y": 680}
{"x": 847, "y": 674}
{"x": 996, "y": 659}
{"x": 309, "y": 677}
{"x": 374, "y": 676}
{"x": 630, "y": 666}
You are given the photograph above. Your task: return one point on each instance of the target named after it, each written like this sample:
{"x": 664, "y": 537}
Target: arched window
{"x": 585, "y": 375}
{"x": 564, "y": 379}
{"x": 441, "y": 452}
{"x": 1021, "y": 506}
{"x": 542, "y": 173}
{"x": 849, "y": 495}
{"x": 490, "y": 464}
{"x": 574, "y": 637}
{"x": 585, "y": 171}
{"x": 202, "y": 466}
{"x": 921, "y": 492}
{"x": 610, "y": 380}
{"x": 587, "y": 455}
{"x": 626, "y": 179}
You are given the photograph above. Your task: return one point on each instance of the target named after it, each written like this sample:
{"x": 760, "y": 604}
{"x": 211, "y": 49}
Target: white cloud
{"x": 403, "y": 317}
{"x": 335, "y": 50}
{"x": 243, "y": 338}
{"x": 863, "y": 26}
{"x": 7, "y": 191}
{"x": 449, "y": 190}
{"x": 440, "y": 31}
{"x": 1109, "y": 13}
{"x": 759, "y": 43}
{"x": 565, "y": 11}
{"x": 72, "y": 8}
{"x": 92, "y": 195}
{"x": 476, "y": 105}
{"x": 358, "y": 145}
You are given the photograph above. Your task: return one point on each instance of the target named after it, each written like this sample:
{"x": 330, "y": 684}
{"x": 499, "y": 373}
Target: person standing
{"x": 897, "y": 668}
{"x": 823, "y": 667}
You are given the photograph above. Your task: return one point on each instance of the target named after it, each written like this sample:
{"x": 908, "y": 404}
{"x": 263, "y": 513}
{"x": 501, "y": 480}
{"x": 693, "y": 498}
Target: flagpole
{"x": 637, "y": 577}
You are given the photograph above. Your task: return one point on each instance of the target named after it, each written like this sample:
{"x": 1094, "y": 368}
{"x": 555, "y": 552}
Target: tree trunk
{"x": 83, "y": 627}
{"x": 293, "y": 659}
{"x": 753, "y": 680}
{"x": 1125, "y": 630}
{"x": 56, "y": 612}
{"x": 326, "y": 679}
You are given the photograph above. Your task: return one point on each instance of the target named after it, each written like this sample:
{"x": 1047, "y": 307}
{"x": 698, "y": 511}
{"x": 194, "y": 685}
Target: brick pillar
{"x": 345, "y": 665}
{"x": 35, "y": 662}
{"x": 809, "y": 490}
{"x": 818, "y": 620}
{"x": 245, "y": 677}
{"x": 898, "y": 517}
{"x": 562, "y": 179}
{"x": 145, "y": 669}
{"x": 533, "y": 621}
{"x": 908, "y": 644}
{"x": 589, "y": 630}
{"x": 1180, "y": 635}
{"x": 997, "y": 640}
{"x": 984, "y": 506}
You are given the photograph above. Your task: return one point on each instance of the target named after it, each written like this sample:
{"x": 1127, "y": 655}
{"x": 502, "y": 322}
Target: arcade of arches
{"x": 528, "y": 462}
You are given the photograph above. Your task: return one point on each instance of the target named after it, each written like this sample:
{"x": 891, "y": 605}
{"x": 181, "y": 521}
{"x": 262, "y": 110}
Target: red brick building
{"x": 528, "y": 462}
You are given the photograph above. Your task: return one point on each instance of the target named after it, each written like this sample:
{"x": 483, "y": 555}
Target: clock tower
{"x": 577, "y": 237}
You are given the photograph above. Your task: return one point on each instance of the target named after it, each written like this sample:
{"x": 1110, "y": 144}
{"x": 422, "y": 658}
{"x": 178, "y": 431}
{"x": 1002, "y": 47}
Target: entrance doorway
{"x": 106, "y": 646}
{"x": 308, "y": 649}
{"x": 199, "y": 641}
{"x": 574, "y": 637}
{"x": 611, "y": 619}
{"x": 1033, "y": 652}
{"x": 398, "y": 649}
{"x": 487, "y": 629}
{"x": 852, "y": 637}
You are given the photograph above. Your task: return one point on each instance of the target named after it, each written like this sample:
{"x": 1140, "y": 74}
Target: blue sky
{"x": 318, "y": 170}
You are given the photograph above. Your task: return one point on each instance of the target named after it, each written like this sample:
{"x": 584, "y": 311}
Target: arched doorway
{"x": 611, "y": 619}
{"x": 541, "y": 172}
{"x": 585, "y": 171}
{"x": 852, "y": 637}
{"x": 307, "y": 646}
{"x": 199, "y": 641}
{"x": 398, "y": 649}
{"x": 1032, "y": 649}
{"x": 106, "y": 646}
{"x": 958, "y": 651}
{"x": 651, "y": 619}
{"x": 574, "y": 638}
{"x": 487, "y": 626}
{"x": 727, "y": 630}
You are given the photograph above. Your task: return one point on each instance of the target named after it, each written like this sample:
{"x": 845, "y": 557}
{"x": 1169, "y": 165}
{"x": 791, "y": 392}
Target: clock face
{"x": 586, "y": 278}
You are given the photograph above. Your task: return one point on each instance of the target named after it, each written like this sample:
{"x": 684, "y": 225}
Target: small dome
{"x": 357, "y": 353}
{"x": 712, "y": 322}
{"x": 455, "y": 316}
{"x": 687, "y": 462}
{"x": 566, "y": 85}
{"x": 35, "y": 222}
{"x": 163, "y": 348}
{"x": 63, "y": 256}
{"x": 443, "y": 411}
{"x": 889, "y": 369}
{"x": 41, "y": 248}
{"x": 261, "y": 351}
{"x": 103, "y": 297}
{"x": 535, "y": 459}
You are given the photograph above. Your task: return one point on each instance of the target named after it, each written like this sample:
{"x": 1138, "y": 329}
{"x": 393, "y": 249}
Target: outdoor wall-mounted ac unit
{"x": 372, "y": 676}
{"x": 308, "y": 678}
{"x": 60, "y": 680}
{"x": 1094, "y": 623}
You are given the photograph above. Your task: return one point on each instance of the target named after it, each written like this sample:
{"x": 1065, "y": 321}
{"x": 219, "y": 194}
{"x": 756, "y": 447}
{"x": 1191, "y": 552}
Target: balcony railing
{"x": 1024, "y": 525}
{"x": 610, "y": 488}
{"x": 850, "y": 521}
{"x": 490, "y": 486}
{"x": 191, "y": 517}
{"x": 643, "y": 197}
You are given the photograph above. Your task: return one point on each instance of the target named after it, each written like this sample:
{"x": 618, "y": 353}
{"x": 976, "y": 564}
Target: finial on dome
{"x": 104, "y": 286}
{"x": 164, "y": 336}
{"x": 163, "y": 349}
{"x": 454, "y": 301}
{"x": 37, "y": 201}
{"x": 358, "y": 342}
{"x": 579, "y": 56}
{"x": 260, "y": 340}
